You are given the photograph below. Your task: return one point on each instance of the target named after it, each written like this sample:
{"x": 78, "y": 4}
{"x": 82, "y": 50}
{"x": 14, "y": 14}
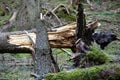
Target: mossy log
{"x": 104, "y": 72}
{"x": 19, "y": 42}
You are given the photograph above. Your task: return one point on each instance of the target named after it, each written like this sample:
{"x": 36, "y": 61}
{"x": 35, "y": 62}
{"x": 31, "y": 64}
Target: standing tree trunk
{"x": 83, "y": 32}
{"x": 81, "y": 22}
{"x": 45, "y": 62}
{"x": 27, "y": 18}
{"x": 83, "y": 36}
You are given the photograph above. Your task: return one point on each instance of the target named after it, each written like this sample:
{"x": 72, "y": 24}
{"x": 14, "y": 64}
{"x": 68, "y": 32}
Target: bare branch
{"x": 33, "y": 41}
{"x": 89, "y": 3}
{"x": 10, "y": 23}
{"x": 67, "y": 52}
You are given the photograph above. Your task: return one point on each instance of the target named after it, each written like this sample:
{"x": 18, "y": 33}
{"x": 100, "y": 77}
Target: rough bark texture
{"x": 27, "y": 14}
{"x": 83, "y": 36}
{"x": 27, "y": 18}
{"x": 81, "y": 23}
{"x": 44, "y": 62}
{"x": 82, "y": 31}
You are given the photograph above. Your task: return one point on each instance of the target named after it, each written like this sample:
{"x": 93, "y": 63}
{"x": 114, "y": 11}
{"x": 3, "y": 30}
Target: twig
{"x": 33, "y": 44}
{"x": 89, "y": 3}
{"x": 53, "y": 12}
{"x": 67, "y": 52}
{"x": 56, "y": 17}
{"x": 60, "y": 5}
{"x": 9, "y": 24}
{"x": 12, "y": 19}
{"x": 34, "y": 75}
{"x": 93, "y": 25}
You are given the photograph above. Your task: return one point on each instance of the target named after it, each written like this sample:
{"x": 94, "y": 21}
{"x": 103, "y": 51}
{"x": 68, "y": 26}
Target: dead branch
{"x": 13, "y": 17}
{"x": 61, "y": 5}
{"x": 90, "y": 4}
{"x": 53, "y": 12}
{"x": 10, "y": 23}
{"x": 56, "y": 17}
{"x": 56, "y": 8}
{"x": 67, "y": 52}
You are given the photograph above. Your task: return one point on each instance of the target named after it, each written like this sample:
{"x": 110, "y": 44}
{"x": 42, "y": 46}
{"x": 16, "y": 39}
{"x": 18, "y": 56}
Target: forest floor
{"x": 108, "y": 14}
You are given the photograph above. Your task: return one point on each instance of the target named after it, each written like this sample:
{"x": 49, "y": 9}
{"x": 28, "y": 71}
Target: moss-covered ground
{"x": 103, "y": 72}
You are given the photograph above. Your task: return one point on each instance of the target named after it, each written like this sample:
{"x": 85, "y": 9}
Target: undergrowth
{"x": 97, "y": 55}
{"x": 104, "y": 72}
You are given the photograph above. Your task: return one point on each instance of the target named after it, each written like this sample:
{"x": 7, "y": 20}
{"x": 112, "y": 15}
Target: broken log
{"x": 19, "y": 42}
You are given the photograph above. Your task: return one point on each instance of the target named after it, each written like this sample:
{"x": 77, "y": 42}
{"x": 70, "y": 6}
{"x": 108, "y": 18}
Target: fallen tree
{"x": 18, "y": 42}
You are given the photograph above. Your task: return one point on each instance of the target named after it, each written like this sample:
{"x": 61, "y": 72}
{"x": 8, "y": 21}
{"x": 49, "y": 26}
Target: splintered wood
{"x": 62, "y": 37}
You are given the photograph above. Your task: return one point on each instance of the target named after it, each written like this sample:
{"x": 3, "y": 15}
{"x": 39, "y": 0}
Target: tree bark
{"x": 27, "y": 14}
{"x": 27, "y": 18}
{"x": 45, "y": 62}
{"x": 19, "y": 42}
{"x": 83, "y": 37}
{"x": 81, "y": 22}
{"x": 10, "y": 43}
{"x": 82, "y": 31}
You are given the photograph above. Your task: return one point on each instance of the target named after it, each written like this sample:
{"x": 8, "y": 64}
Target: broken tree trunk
{"x": 83, "y": 37}
{"x": 19, "y": 42}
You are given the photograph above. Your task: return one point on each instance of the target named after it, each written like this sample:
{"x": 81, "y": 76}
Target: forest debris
{"x": 63, "y": 37}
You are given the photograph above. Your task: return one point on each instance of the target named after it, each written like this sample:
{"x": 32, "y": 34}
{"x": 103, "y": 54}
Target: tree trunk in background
{"x": 26, "y": 14}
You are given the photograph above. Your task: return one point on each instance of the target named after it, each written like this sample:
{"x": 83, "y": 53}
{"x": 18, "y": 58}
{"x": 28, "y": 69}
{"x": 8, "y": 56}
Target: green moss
{"x": 104, "y": 72}
{"x": 22, "y": 55}
{"x": 97, "y": 55}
